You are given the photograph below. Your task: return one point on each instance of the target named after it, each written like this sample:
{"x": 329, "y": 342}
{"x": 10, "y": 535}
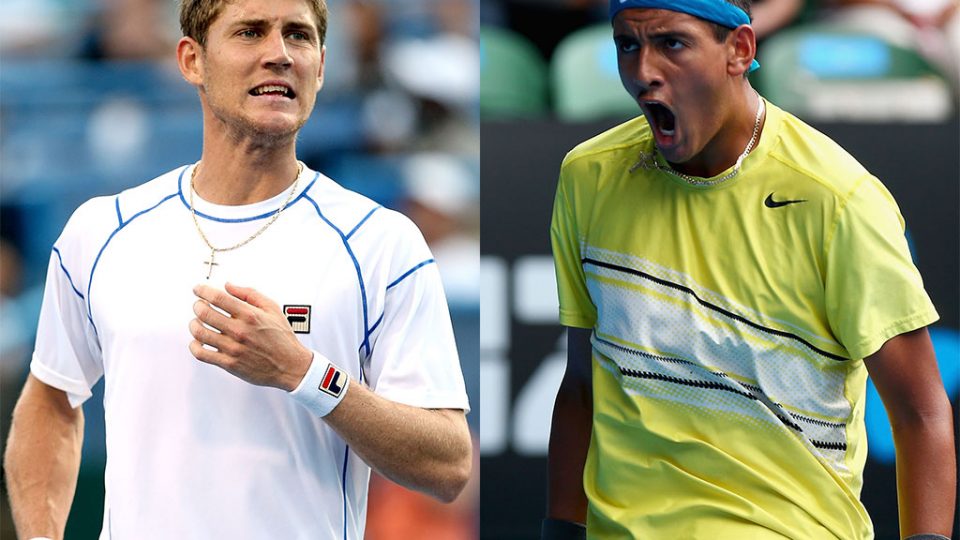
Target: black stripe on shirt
{"x": 714, "y": 307}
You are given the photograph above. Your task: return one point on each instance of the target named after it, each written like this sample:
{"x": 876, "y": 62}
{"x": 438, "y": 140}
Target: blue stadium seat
{"x": 586, "y": 82}
{"x": 513, "y": 76}
{"x": 824, "y": 72}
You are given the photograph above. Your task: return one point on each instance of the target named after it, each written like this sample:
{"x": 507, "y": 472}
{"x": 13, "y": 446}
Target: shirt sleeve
{"x": 414, "y": 356}
{"x": 576, "y": 307}
{"x": 67, "y": 352}
{"x": 873, "y": 290}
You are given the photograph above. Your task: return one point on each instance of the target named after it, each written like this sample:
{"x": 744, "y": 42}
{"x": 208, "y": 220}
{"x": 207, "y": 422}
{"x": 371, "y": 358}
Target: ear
{"x": 190, "y": 60}
{"x": 323, "y": 55}
{"x": 741, "y": 48}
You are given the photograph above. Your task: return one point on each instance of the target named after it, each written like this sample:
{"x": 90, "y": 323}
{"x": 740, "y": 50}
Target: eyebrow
{"x": 656, "y": 35}
{"x": 297, "y": 25}
{"x": 260, "y": 23}
{"x": 662, "y": 34}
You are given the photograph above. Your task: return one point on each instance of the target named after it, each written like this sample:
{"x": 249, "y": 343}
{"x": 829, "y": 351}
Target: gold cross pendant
{"x": 210, "y": 264}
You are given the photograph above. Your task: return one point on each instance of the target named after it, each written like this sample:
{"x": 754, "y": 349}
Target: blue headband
{"x": 716, "y": 11}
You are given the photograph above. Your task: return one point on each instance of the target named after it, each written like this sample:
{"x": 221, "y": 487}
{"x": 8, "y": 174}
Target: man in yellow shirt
{"x": 729, "y": 277}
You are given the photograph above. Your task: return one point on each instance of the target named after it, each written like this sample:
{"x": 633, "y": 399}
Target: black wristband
{"x": 926, "y": 536}
{"x": 559, "y": 529}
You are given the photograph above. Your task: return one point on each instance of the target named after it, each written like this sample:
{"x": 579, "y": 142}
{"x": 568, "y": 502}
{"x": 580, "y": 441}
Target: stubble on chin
{"x": 242, "y": 130}
{"x": 266, "y": 138}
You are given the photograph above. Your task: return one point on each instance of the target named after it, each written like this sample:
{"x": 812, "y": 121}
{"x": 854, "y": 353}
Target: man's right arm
{"x": 570, "y": 432}
{"x": 42, "y": 460}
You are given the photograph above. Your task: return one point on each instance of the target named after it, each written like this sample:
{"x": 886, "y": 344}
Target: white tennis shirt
{"x": 193, "y": 452}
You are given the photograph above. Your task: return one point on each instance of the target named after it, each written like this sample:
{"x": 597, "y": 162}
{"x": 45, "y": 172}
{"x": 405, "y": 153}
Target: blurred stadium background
{"x": 881, "y": 82}
{"x": 91, "y": 103}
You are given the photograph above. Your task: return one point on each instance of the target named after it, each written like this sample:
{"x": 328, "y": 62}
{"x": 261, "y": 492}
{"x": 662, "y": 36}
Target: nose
{"x": 647, "y": 75}
{"x": 276, "y": 53}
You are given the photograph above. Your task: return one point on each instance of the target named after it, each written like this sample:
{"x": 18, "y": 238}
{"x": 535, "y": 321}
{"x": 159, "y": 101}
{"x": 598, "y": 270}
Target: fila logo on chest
{"x": 299, "y": 318}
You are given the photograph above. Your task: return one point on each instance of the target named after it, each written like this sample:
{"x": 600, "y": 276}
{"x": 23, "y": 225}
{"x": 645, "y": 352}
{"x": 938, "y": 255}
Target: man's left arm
{"x": 428, "y": 450}
{"x": 905, "y": 373}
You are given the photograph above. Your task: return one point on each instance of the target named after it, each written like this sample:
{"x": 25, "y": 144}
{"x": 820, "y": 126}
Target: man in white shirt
{"x": 232, "y": 411}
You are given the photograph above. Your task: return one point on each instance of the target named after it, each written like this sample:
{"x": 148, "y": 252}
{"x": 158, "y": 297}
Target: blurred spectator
{"x": 457, "y": 17}
{"x": 133, "y": 30}
{"x": 930, "y": 27}
{"x": 16, "y": 334}
{"x": 429, "y": 95}
{"x": 442, "y": 75}
{"x": 52, "y": 31}
{"x": 772, "y": 15}
{"x": 367, "y": 34}
{"x": 442, "y": 199}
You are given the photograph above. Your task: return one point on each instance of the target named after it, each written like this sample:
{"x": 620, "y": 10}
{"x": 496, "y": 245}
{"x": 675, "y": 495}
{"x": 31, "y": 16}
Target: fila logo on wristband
{"x": 332, "y": 381}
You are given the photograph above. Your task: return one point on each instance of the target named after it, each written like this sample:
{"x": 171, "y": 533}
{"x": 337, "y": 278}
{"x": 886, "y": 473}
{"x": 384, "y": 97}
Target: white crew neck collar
{"x": 241, "y": 212}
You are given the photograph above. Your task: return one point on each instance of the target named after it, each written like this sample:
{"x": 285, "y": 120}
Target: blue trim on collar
{"x": 240, "y": 220}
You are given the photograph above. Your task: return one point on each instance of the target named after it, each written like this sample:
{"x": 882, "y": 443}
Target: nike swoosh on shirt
{"x": 770, "y": 203}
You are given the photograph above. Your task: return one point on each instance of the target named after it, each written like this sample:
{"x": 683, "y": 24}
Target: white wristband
{"x": 41, "y": 538}
{"x": 323, "y": 387}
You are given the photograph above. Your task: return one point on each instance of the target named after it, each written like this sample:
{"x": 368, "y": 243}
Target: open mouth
{"x": 273, "y": 90}
{"x": 661, "y": 118}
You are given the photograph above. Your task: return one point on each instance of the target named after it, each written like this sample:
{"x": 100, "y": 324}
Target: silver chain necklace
{"x": 648, "y": 160}
{"x": 214, "y": 250}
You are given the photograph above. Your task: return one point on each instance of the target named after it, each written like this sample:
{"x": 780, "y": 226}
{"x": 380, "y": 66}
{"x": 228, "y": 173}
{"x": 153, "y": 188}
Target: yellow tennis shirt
{"x": 730, "y": 323}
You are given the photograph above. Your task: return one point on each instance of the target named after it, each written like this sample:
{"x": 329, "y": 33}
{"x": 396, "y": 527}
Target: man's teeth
{"x": 666, "y": 131}
{"x": 269, "y": 89}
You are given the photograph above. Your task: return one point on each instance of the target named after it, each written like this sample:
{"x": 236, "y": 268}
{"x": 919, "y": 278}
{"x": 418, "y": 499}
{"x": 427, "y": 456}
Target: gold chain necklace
{"x": 214, "y": 250}
{"x": 648, "y": 160}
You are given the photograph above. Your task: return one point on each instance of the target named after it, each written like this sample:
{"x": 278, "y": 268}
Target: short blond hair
{"x": 196, "y": 16}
